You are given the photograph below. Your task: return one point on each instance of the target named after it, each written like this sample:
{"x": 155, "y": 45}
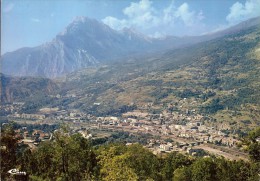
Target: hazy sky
{"x": 27, "y": 23}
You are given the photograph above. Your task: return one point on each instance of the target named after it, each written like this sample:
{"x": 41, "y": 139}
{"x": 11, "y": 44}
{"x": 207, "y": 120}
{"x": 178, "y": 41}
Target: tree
{"x": 8, "y": 149}
{"x": 224, "y": 170}
{"x": 204, "y": 169}
{"x": 144, "y": 162}
{"x": 117, "y": 169}
{"x": 173, "y": 161}
{"x": 252, "y": 145}
{"x": 138, "y": 162}
{"x": 74, "y": 156}
{"x": 182, "y": 174}
{"x": 66, "y": 158}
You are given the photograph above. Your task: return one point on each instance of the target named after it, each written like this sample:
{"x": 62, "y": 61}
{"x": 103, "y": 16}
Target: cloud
{"x": 185, "y": 14}
{"x": 35, "y": 20}
{"x": 139, "y": 15}
{"x": 115, "y": 23}
{"x": 168, "y": 13}
{"x": 239, "y": 12}
{"x": 144, "y": 17}
{"x": 9, "y": 8}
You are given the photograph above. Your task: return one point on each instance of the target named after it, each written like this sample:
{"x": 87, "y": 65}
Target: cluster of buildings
{"x": 185, "y": 126}
{"x": 32, "y": 137}
{"x": 162, "y": 124}
{"x": 29, "y": 116}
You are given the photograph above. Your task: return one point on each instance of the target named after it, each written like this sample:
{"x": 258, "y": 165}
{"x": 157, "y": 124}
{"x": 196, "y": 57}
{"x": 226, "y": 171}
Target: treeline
{"x": 123, "y": 137}
{"x": 33, "y": 104}
{"x": 74, "y": 158}
{"x": 110, "y": 108}
{"x": 30, "y": 127}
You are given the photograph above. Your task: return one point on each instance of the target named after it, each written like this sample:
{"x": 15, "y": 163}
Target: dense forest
{"x": 72, "y": 157}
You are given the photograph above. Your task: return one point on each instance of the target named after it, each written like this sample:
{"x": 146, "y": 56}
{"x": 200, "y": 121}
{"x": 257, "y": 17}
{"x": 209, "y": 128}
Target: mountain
{"x": 21, "y": 88}
{"x": 236, "y": 28}
{"x": 190, "y": 40}
{"x": 87, "y": 42}
{"x": 219, "y": 78}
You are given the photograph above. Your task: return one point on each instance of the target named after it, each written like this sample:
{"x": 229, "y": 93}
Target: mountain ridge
{"x": 87, "y": 42}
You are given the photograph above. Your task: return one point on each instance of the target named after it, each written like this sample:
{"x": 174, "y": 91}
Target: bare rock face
{"x": 85, "y": 42}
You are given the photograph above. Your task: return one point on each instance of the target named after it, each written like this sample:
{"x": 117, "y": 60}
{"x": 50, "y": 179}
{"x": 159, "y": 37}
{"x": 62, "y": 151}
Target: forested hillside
{"x": 21, "y": 88}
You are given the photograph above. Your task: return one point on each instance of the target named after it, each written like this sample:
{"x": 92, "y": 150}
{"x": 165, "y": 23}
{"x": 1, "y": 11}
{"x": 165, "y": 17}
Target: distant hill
{"x": 88, "y": 43}
{"x": 21, "y": 88}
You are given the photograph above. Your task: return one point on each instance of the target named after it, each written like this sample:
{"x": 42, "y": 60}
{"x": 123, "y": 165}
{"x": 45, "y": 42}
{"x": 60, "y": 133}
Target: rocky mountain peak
{"x": 87, "y": 42}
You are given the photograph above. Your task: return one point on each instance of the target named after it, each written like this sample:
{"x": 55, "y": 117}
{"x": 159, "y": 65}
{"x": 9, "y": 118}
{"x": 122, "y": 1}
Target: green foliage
{"x": 8, "y": 149}
{"x": 189, "y": 93}
{"x": 68, "y": 158}
{"x": 23, "y": 88}
{"x": 172, "y": 162}
{"x": 214, "y": 106}
{"x": 44, "y": 127}
{"x": 72, "y": 157}
{"x": 116, "y": 168}
{"x": 204, "y": 169}
{"x": 134, "y": 159}
{"x": 182, "y": 174}
{"x": 38, "y": 101}
{"x": 122, "y": 137}
{"x": 109, "y": 109}
{"x": 253, "y": 146}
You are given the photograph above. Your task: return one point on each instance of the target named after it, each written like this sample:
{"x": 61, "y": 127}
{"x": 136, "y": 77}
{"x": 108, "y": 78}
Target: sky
{"x": 28, "y": 23}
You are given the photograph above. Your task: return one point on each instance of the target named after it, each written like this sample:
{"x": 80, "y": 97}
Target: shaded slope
{"x": 20, "y": 89}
